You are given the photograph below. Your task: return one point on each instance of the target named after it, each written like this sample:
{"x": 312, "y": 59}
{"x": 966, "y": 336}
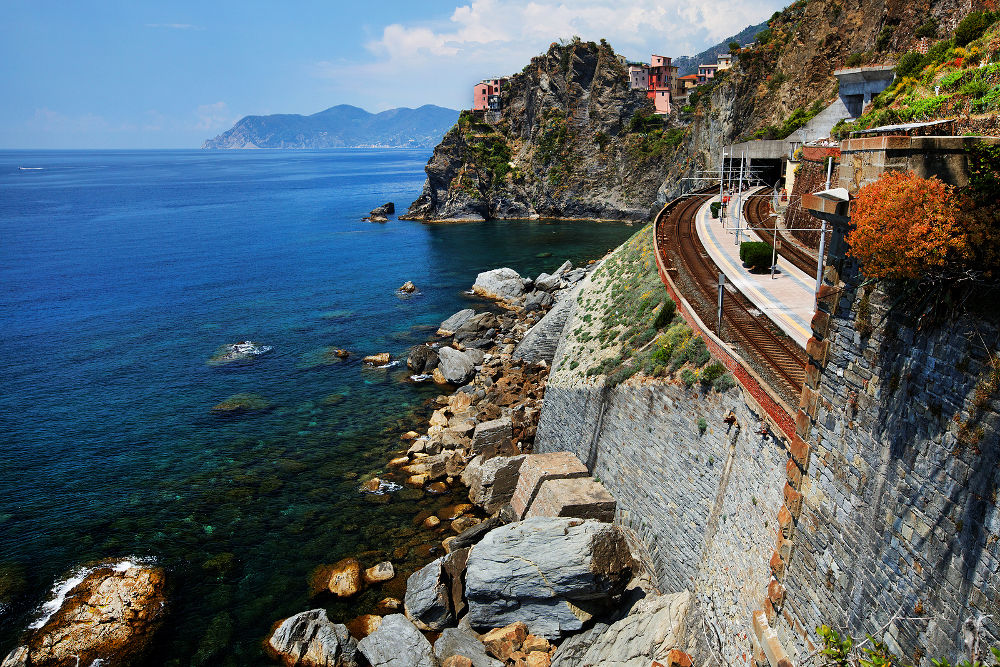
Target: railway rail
{"x": 763, "y": 345}
{"x": 757, "y": 211}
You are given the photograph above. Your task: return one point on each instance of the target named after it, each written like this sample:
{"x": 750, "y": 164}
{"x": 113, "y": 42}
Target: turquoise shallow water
{"x": 122, "y": 273}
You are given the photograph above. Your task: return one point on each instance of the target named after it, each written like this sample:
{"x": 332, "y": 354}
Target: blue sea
{"x": 122, "y": 273}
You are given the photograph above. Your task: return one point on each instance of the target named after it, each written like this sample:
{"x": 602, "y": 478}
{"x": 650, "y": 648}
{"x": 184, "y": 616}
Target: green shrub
{"x": 973, "y": 26}
{"x": 716, "y": 207}
{"x": 666, "y": 314}
{"x": 756, "y": 255}
{"x": 602, "y": 140}
{"x": 928, "y": 28}
{"x": 688, "y": 377}
{"x": 855, "y": 59}
{"x": 909, "y": 64}
{"x": 949, "y": 80}
{"x": 884, "y": 37}
{"x": 712, "y": 372}
{"x": 702, "y": 428}
{"x": 724, "y": 383}
{"x": 937, "y": 53}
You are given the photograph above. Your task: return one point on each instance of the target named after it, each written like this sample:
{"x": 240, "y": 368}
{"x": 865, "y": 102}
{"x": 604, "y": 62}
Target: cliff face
{"x": 792, "y": 66}
{"x": 564, "y": 146}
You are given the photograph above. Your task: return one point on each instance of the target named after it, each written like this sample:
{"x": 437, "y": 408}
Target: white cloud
{"x": 214, "y": 116}
{"x": 438, "y": 62}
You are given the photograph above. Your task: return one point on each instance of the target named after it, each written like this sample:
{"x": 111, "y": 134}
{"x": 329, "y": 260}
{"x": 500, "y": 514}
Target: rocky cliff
{"x": 791, "y": 67}
{"x": 572, "y": 141}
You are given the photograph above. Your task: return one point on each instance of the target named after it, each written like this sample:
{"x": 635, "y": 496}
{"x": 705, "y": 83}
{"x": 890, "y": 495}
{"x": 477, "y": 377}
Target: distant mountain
{"x": 689, "y": 64}
{"x": 342, "y": 126}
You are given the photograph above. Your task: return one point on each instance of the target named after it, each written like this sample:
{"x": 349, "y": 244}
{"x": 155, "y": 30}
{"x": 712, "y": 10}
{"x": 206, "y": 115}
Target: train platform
{"x": 788, "y": 298}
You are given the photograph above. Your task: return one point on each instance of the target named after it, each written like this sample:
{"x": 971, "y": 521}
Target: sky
{"x": 170, "y": 74}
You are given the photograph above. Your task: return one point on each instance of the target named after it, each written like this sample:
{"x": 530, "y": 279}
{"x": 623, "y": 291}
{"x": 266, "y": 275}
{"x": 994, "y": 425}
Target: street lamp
{"x": 774, "y": 246}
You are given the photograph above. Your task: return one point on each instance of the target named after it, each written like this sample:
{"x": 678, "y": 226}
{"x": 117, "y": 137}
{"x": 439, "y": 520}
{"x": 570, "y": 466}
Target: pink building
{"x": 658, "y": 79}
{"x": 706, "y": 73}
{"x": 486, "y": 95}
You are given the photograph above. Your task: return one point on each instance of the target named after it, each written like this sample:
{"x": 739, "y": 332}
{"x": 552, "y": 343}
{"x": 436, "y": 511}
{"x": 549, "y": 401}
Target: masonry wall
{"x": 899, "y": 517}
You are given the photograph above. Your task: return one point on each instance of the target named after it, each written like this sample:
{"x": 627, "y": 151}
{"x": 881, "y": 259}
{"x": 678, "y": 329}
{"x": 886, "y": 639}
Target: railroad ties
{"x": 764, "y": 347}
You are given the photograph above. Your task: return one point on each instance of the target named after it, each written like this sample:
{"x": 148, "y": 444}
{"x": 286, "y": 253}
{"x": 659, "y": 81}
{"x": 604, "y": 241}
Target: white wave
{"x": 384, "y": 487}
{"x": 391, "y": 364}
{"x": 423, "y": 377}
{"x": 31, "y": 168}
{"x": 62, "y": 587}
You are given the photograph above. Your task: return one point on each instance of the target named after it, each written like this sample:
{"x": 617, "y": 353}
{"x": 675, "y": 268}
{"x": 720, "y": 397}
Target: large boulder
{"x": 492, "y": 436}
{"x": 451, "y": 325}
{"x": 481, "y": 326}
{"x": 397, "y": 643}
{"x": 422, "y": 359}
{"x": 456, "y": 367}
{"x": 538, "y": 300}
{"x": 547, "y": 283}
{"x": 461, "y": 641}
{"x": 654, "y": 628}
{"x": 109, "y": 618}
{"x": 310, "y": 639}
{"x": 492, "y": 482}
{"x": 503, "y": 284}
{"x": 428, "y": 597}
{"x": 551, "y": 573}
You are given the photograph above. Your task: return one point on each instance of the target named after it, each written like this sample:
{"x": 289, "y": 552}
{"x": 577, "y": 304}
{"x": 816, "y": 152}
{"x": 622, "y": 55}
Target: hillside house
{"x": 659, "y": 80}
{"x": 724, "y": 61}
{"x": 706, "y": 73}
{"x": 486, "y": 95}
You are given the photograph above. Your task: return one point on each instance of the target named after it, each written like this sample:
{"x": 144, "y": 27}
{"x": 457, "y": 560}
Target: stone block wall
{"x": 704, "y": 505}
{"x": 899, "y": 517}
{"x": 810, "y": 178}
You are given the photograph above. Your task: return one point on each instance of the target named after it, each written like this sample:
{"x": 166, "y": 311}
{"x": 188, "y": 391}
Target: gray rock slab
{"x": 654, "y": 627}
{"x": 427, "y": 602}
{"x": 492, "y": 482}
{"x": 451, "y": 325}
{"x": 491, "y": 435}
{"x": 461, "y": 641}
{"x": 397, "y": 643}
{"x": 550, "y": 573}
{"x": 541, "y": 341}
{"x": 311, "y": 638}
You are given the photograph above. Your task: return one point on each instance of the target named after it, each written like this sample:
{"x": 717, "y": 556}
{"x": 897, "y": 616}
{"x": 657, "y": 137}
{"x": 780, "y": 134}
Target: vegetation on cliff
{"x": 572, "y": 141}
{"x": 958, "y": 77}
{"x": 625, "y": 324}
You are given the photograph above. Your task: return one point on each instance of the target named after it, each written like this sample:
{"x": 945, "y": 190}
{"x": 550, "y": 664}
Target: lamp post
{"x": 774, "y": 246}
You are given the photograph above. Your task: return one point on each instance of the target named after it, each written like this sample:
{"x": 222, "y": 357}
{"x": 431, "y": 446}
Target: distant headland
{"x": 342, "y": 126}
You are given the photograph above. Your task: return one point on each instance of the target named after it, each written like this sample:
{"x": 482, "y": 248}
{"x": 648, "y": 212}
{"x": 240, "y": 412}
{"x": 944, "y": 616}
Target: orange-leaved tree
{"x": 908, "y": 227}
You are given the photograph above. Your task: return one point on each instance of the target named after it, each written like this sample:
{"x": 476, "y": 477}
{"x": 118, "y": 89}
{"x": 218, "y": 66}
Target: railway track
{"x": 764, "y": 346}
{"x": 757, "y": 211}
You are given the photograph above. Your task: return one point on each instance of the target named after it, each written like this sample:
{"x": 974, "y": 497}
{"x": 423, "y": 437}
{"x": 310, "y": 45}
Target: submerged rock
{"x": 345, "y": 578}
{"x": 309, "y": 639}
{"x": 380, "y": 359}
{"x": 242, "y": 351}
{"x": 241, "y": 403}
{"x": 551, "y": 573}
{"x": 397, "y": 643}
{"x": 109, "y": 616}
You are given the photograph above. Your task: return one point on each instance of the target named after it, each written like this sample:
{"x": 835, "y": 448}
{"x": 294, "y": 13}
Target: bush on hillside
{"x": 907, "y": 227}
{"x": 756, "y": 255}
{"x": 973, "y": 26}
{"x": 910, "y": 64}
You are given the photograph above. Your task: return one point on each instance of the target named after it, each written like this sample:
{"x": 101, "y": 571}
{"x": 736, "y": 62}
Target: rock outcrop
{"x": 562, "y": 147}
{"x": 456, "y": 367}
{"x": 428, "y": 601}
{"x": 503, "y": 284}
{"x": 309, "y": 639}
{"x": 552, "y": 574}
{"x": 461, "y": 641}
{"x": 109, "y": 617}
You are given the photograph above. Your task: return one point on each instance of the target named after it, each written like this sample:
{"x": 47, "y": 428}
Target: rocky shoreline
{"x": 530, "y": 572}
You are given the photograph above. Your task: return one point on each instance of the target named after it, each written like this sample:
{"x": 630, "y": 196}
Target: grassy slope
{"x": 624, "y": 323}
